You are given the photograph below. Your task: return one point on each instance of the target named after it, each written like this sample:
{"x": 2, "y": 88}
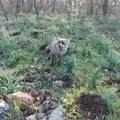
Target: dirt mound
{"x": 67, "y": 81}
{"x": 110, "y": 82}
{"x": 118, "y": 91}
{"x": 91, "y": 106}
{"x": 64, "y": 81}
{"x": 30, "y": 78}
{"x": 15, "y": 34}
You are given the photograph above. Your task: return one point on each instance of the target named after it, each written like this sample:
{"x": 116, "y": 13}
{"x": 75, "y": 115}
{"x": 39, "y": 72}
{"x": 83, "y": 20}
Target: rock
{"x": 32, "y": 117}
{"x": 4, "y": 90}
{"x": 4, "y": 107}
{"x": 35, "y": 117}
{"x": 3, "y": 67}
{"x": 57, "y": 114}
{"x": 58, "y": 83}
{"x": 25, "y": 100}
{"x": 4, "y": 31}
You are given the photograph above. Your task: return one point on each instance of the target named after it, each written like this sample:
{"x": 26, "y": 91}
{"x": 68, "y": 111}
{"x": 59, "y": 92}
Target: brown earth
{"x": 67, "y": 81}
{"x": 110, "y": 82}
{"x": 91, "y": 106}
{"x": 29, "y": 78}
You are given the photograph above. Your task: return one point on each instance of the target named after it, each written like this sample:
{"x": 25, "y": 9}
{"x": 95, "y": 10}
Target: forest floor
{"x": 85, "y": 86}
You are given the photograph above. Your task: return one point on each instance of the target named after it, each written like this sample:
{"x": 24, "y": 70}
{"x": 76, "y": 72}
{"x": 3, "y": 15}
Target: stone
{"x": 4, "y": 108}
{"x": 32, "y": 117}
{"x": 57, "y": 114}
{"x": 4, "y": 31}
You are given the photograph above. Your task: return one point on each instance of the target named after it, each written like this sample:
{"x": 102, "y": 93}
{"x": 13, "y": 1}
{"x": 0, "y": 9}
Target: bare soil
{"x": 110, "y": 82}
{"x": 91, "y": 106}
{"x": 67, "y": 80}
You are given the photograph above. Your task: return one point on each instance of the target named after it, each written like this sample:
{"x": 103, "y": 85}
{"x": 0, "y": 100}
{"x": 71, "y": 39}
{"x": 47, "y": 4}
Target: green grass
{"x": 95, "y": 49}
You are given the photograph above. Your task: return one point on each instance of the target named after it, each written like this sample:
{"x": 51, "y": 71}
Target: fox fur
{"x": 57, "y": 48}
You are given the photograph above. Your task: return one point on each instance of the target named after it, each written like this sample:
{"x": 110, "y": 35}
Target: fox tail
{"x": 47, "y": 49}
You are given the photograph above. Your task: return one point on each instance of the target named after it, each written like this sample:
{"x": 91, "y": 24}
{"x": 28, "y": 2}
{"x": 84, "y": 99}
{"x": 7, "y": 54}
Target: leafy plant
{"x": 11, "y": 84}
{"x": 93, "y": 80}
{"x": 86, "y": 51}
{"x": 7, "y": 46}
{"x": 108, "y": 61}
{"x": 69, "y": 64}
{"x": 102, "y": 47}
{"x": 15, "y": 58}
{"x": 110, "y": 99}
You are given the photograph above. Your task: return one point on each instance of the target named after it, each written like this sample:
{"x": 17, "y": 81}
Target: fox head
{"x": 61, "y": 43}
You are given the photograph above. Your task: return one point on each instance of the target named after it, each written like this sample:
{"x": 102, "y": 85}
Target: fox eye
{"x": 58, "y": 42}
{"x": 62, "y": 43}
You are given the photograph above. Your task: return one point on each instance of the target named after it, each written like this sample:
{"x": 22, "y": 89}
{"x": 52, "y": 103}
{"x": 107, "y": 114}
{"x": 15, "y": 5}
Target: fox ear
{"x": 57, "y": 38}
{"x": 68, "y": 40}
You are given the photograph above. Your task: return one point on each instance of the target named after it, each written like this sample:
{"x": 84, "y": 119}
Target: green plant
{"x": 7, "y": 46}
{"x": 69, "y": 64}
{"x": 15, "y": 58}
{"x": 86, "y": 51}
{"x": 111, "y": 58}
{"x": 110, "y": 99}
{"x": 11, "y": 83}
{"x": 93, "y": 80}
{"x": 101, "y": 46}
{"x": 108, "y": 61}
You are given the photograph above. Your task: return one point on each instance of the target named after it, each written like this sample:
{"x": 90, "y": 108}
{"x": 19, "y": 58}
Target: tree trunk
{"x": 105, "y": 7}
{"x": 17, "y": 9}
{"x": 75, "y": 4}
{"x": 47, "y": 2}
{"x": 23, "y": 5}
{"x": 11, "y": 3}
{"x": 53, "y": 8}
{"x": 3, "y": 10}
{"x": 91, "y": 7}
{"x": 41, "y": 5}
{"x": 36, "y": 10}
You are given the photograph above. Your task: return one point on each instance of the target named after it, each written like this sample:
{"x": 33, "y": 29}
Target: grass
{"x": 95, "y": 49}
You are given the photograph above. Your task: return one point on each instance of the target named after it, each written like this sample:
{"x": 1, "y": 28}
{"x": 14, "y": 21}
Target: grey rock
{"x": 4, "y": 31}
{"x": 4, "y": 108}
{"x": 57, "y": 114}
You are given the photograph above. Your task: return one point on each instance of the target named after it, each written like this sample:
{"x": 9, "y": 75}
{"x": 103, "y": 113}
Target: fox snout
{"x": 60, "y": 46}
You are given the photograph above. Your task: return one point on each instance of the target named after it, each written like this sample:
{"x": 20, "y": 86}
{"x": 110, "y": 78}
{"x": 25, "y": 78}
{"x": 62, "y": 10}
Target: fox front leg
{"x": 51, "y": 59}
{"x": 59, "y": 60}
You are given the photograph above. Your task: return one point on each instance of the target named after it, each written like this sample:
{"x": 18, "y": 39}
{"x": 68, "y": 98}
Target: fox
{"x": 57, "y": 48}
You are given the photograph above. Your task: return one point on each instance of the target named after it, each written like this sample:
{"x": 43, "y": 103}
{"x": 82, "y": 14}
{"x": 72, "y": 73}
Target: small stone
{"x": 4, "y": 31}
{"x": 35, "y": 116}
{"x": 4, "y": 90}
{"x": 32, "y": 117}
{"x": 4, "y": 107}
{"x": 58, "y": 83}
{"x": 57, "y": 114}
